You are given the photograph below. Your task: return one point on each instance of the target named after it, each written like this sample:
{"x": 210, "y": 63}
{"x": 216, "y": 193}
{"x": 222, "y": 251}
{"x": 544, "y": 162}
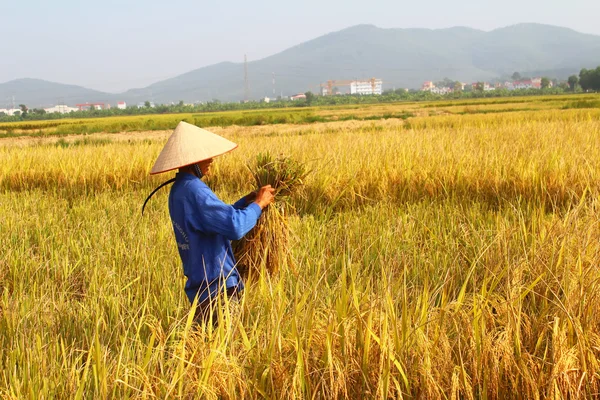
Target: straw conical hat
{"x": 188, "y": 145}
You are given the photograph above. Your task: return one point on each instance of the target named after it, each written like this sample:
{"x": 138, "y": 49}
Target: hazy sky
{"x": 115, "y": 45}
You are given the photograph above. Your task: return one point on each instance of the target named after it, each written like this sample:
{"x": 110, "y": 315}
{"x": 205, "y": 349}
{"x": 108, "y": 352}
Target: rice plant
{"x": 450, "y": 256}
{"x": 267, "y": 244}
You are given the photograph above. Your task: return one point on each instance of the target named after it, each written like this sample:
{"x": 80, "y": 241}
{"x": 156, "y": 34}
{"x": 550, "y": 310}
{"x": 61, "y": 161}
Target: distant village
{"x": 372, "y": 86}
{"x": 451, "y": 87}
{"x": 65, "y": 109}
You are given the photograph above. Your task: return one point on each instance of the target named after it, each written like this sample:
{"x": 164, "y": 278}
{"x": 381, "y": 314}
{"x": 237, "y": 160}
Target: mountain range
{"x": 401, "y": 57}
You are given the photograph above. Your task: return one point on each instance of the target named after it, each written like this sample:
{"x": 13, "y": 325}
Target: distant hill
{"x": 401, "y": 57}
{"x": 40, "y": 93}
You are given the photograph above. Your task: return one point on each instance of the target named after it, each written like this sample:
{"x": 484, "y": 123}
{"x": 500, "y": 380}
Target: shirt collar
{"x": 186, "y": 176}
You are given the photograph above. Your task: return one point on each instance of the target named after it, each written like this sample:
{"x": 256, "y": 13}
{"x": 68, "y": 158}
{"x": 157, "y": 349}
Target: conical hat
{"x": 188, "y": 145}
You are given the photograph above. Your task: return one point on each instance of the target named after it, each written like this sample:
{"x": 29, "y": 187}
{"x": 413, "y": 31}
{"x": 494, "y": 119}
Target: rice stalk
{"x": 266, "y": 245}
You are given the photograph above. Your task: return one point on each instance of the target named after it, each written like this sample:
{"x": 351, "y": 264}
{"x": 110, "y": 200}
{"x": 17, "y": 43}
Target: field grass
{"x": 87, "y": 126}
{"x": 299, "y": 115}
{"x": 449, "y": 256}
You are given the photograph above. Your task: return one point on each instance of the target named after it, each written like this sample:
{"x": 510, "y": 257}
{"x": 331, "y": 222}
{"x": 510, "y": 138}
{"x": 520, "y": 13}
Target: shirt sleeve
{"x": 214, "y": 216}
{"x": 241, "y": 203}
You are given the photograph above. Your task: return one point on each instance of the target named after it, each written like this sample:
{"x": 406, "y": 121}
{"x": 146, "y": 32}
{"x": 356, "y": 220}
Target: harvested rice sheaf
{"x": 266, "y": 245}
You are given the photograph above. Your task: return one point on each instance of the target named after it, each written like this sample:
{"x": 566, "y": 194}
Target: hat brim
{"x": 188, "y": 145}
{"x": 195, "y": 162}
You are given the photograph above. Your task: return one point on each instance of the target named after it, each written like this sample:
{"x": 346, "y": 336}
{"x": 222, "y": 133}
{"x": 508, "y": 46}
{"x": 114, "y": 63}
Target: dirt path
{"x": 228, "y": 132}
{"x": 116, "y": 137}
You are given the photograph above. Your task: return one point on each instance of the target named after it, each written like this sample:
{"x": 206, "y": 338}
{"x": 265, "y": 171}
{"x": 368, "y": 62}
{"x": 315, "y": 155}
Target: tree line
{"x": 588, "y": 80}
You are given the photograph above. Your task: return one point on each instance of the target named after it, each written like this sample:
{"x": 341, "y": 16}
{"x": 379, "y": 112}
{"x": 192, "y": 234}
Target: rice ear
{"x": 266, "y": 245}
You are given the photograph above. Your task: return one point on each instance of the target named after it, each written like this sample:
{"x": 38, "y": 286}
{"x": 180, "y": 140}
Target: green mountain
{"x": 401, "y": 57}
{"x": 40, "y": 93}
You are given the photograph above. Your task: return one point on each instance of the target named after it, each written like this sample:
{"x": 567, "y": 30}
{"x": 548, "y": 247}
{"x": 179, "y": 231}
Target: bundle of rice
{"x": 267, "y": 243}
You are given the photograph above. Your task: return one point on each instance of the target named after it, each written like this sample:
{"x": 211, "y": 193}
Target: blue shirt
{"x": 204, "y": 227}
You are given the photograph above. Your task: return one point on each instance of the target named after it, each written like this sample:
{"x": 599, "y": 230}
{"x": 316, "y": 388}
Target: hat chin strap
{"x": 198, "y": 171}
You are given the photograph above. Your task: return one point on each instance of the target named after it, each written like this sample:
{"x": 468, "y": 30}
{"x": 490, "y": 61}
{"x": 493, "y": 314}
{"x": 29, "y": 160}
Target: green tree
{"x": 446, "y": 82}
{"x": 573, "y": 81}
{"x": 590, "y": 79}
{"x": 24, "y": 109}
{"x": 545, "y": 83}
{"x": 147, "y": 104}
{"x": 310, "y": 97}
{"x": 162, "y": 109}
{"x": 479, "y": 87}
{"x": 457, "y": 86}
{"x": 516, "y": 76}
{"x": 584, "y": 79}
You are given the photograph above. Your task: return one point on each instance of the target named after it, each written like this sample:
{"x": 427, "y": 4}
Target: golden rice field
{"x": 293, "y": 115}
{"x": 438, "y": 257}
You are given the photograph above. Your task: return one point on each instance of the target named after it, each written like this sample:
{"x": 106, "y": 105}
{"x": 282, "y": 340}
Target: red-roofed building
{"x": 299, "y": 96}
{"x": 427, "y": 86}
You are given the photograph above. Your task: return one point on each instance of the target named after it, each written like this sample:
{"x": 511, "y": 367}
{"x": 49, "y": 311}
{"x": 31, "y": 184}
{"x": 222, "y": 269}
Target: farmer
{"x": 203, "y": 224}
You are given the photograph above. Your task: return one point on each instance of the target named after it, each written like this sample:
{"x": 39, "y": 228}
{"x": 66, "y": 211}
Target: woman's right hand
{"x": 265, "y": 196}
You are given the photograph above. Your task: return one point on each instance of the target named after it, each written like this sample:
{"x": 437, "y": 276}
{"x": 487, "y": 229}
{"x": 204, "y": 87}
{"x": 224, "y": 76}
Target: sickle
{"x": 156, "y": 190}
{"x": 197, "y": 171}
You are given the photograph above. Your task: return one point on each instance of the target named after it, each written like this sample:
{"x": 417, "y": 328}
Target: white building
{"x": 441, "y": 90}
{"x": 371, "y": 86}
{"x": 121, "y": 105}
{"x": 10, "y": 111}
{"x": 61, "y": 109}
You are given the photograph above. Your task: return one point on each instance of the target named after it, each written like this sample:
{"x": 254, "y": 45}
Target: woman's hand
{"x": 265, "y": 196}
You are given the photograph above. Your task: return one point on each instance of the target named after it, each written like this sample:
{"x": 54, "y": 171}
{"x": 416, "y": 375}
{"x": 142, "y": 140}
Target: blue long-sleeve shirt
{"x": 204, "y": 227}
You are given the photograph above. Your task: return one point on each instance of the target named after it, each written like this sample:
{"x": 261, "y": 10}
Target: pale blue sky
{"x": 115, "y": 45}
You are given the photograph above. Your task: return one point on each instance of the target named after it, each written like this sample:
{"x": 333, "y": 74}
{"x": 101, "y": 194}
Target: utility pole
{"x": 246, "y": 89}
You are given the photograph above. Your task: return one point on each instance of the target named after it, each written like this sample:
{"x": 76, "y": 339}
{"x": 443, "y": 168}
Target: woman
{"x": 204, "y": 226}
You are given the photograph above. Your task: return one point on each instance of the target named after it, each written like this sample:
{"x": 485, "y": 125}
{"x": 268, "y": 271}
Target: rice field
{"x": 448, "y": 255}
{"x": 293, "y": 115}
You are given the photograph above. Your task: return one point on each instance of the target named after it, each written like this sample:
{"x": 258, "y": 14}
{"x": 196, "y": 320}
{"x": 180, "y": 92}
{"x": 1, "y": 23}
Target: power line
{"x": 246, "y": 89}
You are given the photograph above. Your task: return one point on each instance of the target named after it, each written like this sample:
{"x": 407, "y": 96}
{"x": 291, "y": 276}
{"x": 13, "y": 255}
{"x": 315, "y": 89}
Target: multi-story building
{"x": 366, "y": 87}
{"x": 371, "y": 86}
